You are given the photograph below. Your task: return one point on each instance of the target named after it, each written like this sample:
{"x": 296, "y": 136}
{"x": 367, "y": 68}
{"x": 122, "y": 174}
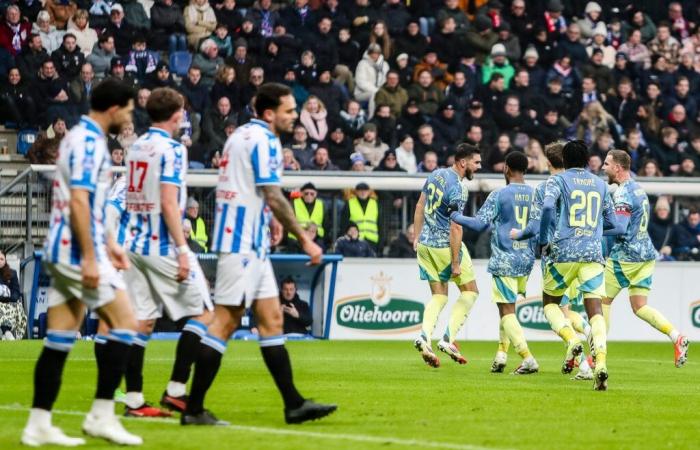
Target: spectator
{"x": 447, "y": 127}
{"x": 370, "y": 146}
{"x": 536, "y": 157}
{"x": 213, "y": 125}
{"x": 51, "y": 38}
{"x": 426, "y": 93}
{"x": 168, "y": 30}
{"x": 321, "y": 161}
{"x": 447, "y": 43}
{"x": 127, "y": 136}
{"x": 29, "y": 61}
{"x": 389, "y": 164}
{"x": 386, "y": 125}
{"x": 481, "y": 38}
{"x": 141, "y": 119}
{"x": 310, "y": 209}
{"x": 191, "y": 243}
{"x": 380, "y": 36}
{"x": 250, "y": 35}
{"x": 568, "y": 76}
{"x": 81, "y": 87}
{"x": 571, "y": 46}
{"x": 60, "y": 12}
{"x": 141, "y": 62}
{"x": 358, "y": 163}
{"x": 14, "y": 31}
{"x": 195, "y": 91}
{"x": 412, "y": 42}
{"x": 396, "y": 16}
{"x": 329, "y": 93}
{"x": 296, "y": 313}
{"x": 79, "y": 26}
{"x": 121, "y": 29}
{"x": 363, "y": 209}
{"x": 16, "y": 102}
{"x": 313, "y": 117}
{"x": 199, "y": 228}
{"x": 300, "y": 19}
{"x": 52, "y": 94}
{"x": 361, "y": 16}
{"x": 437, "y": 69}
{"x": 348, "y": 56}
{"x": 637, "y": 53}
{"x": 208, "y": 61}
{"x": 371, "y": 73}
{"x": 429, "y": 162}
{"x": 687, "y": 167}
{"x": 200, "y": 21}
{"x": 223, "y": 41}
{"x": 228, "y": 15}
{"x": 638, "y": 152}
{"x": 102, "y": 55}
{"x": 667, "y": 153}
{"x": 595, "y": 165}
{"x": 665, "y": 45}
{"x": 651, "y": 168}
{"x": 240, "y": 61}
{"x": 498, "y": 63}
{"x": 593, "y": 121}
{"x": 160, "y": 78}
{"x": 354, "y": 119}
{"x": 392, "y": 94}
{"x": 351, "y": 246}
{"x": 264, "y": 16}
{"x": 44, "y": 150}
{"x": 13, "y": 321}
{"x": 607, "y": 52}
{"x": 68, "y": 59}
{"x": 550, "y": 129}
{"x": 497, "y": 157}
{"x": 289, "y": 161}
{"x": 591, "y": 21}
{"x": 402, "y": 246}
{"x": 116, "y": 153}
{"x": 639, "y": 20}
{"x": 225, "y": 85}
{"x": 661, "y": 228}
{"x": 339, "y": 148}
{"x": 135, "y": 14}
{"x": 405, "y": 156}
{"x": 685, "y": 238}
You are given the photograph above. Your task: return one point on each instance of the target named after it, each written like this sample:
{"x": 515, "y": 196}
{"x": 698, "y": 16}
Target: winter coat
{"x": 68, "y": 64}
{"x": 165, "y": 20}
{"x": 481, "y": 43}
{"x": 369, "y": 77}
{"x": 489, "y": 68}
{"x": 231, "y": 91}
{"x": 136, "y": 15}
{"x": 428, "y": 99}
{"x": 198, "y": 95}
{"x": 396, "y": 98}
{"x": 85, "y": 38}
{"x": 6, "y": 36}
{"x": 140, "y": 64}
{"x": 50, "y": 40}
{"x": 123, "y": 36}
{"x": 209, "y": 67}
{"x": 200, "y": 22}
{"x": 101, "y": 61}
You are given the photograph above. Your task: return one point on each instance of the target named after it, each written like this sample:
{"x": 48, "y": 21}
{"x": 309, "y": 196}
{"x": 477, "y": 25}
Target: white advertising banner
{"x": 384, "y": 299}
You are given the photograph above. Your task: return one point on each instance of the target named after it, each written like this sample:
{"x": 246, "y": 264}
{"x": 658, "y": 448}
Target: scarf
{"x": 16, "y": 36}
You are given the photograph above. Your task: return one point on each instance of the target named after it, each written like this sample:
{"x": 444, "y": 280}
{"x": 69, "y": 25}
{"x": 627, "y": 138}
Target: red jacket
{"x": 6, "y": 35}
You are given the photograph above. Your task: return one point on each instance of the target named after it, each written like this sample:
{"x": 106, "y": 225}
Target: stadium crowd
{"x": 381, "y": 85}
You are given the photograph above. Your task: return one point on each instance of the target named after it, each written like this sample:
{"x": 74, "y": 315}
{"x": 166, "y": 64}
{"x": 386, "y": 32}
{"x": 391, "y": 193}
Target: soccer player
{"x": 583, "y": 209}
{"x": 165, "y": 275}
{"x": 511, "y": 261}
{"x": 442, "y": 256}
{"x": 555, "y": 163}
{"x": 632, "y": 258}
{"x": 82, "y": 259}
{"x": 248, "y": 193}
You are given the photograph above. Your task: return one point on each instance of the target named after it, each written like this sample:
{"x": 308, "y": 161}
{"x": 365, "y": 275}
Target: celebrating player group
{"x": 568, "y": 219}
{"x": 117, "y": 248}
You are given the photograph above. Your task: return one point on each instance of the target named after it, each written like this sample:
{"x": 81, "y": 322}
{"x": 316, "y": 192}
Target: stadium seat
{"x": 180, "y": 62}
{"x": 25, "y": 139}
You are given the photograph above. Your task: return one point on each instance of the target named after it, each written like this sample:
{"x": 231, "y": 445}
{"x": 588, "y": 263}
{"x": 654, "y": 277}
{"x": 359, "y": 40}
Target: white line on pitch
{"x": 285, "y": 432}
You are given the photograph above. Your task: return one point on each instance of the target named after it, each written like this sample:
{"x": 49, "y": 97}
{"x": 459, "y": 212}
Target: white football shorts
{"x": 244, "y": 277}
{"x": 66, "y": 284}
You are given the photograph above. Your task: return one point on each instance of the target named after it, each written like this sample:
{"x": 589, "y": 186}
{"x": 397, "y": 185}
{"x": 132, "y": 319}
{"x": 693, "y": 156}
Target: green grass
{"x": 388, "y": 399}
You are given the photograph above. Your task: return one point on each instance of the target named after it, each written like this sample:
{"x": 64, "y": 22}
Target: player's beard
{"x": 469, "y": 175}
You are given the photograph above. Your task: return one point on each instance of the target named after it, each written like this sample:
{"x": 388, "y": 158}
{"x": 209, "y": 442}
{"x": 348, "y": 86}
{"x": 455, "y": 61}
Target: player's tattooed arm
{"x": 456, "y": 232}
{"x": 284, "y": 213}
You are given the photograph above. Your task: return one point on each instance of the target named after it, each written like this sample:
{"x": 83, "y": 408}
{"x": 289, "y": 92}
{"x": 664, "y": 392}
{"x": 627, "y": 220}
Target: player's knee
{"x": 271, "y": 324}
{"x": 146, "y": 326}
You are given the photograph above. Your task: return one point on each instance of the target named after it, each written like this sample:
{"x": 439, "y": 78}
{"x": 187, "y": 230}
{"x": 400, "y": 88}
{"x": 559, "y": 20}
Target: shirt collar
{"x": 160, "y": 131}
{"x": 91, "y": 125}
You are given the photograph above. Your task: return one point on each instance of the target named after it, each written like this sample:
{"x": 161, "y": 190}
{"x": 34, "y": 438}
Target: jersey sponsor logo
{"x": 530, "y": 314}
{"x": 695, "y": 313}
{"x": 379, "y": 311}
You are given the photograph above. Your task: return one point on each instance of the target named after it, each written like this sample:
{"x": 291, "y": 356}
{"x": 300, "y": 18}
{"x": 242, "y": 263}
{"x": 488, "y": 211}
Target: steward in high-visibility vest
{"x": 199, "y": 228}
{"x": 309, "y": 209}
{"x": 364, "y": 211}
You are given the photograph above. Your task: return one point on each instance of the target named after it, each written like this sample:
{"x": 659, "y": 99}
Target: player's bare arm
{"x": 455, "y": 246}
{"x": 418, "y": 219}
{"x": 171, "y": 215}
{"x": 285, "y": 215}
{"x": 80, "y": 223}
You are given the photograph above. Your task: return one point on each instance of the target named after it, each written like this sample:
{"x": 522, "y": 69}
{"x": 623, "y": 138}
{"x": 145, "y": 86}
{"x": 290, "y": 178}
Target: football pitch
{"x": 389, "y": 399}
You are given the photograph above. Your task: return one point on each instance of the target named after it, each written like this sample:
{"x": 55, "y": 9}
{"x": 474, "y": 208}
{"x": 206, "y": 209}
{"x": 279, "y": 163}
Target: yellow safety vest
{"x": 366, "y": 220}
{"x": 304, "y": 218}
{"x": 201, "y": 235}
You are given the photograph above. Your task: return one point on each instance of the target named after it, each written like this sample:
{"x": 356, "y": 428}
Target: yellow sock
{"x": 606, "y": 315}
{"x": 503, "y": 341}
{"x": 577, "y": 322}
{"x": 655, "y": 319}
{"x": 558, "y": 323}
{"x": 460, "y": 311}
{"x": 515, "y": 334}
{"x": 431, "y": 314}
{"x": 599, "y": 339}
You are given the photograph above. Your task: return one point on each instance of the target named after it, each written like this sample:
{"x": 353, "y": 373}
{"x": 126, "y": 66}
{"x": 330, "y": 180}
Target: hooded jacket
{"x": 369, "y": 76}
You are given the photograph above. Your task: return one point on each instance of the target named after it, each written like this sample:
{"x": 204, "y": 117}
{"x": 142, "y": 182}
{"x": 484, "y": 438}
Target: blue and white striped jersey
{"x": 252, "y": 157}
{"x": 154, "y": 159}
{"x": 116, "y": 219}
{"x": 83, "y": 163}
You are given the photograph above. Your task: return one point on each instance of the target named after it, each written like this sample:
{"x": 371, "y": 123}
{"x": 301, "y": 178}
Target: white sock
{"x": 501, "y": 355}
{"x": 176, "y": 389}
{"x": 102, "y": 408}
{"x": 674, "y": 335}
{"x": 587, "y": 330}
{"x": 529, "y": 360}
{"x": 39, "y": 418}
{"x": 134, "y": 399}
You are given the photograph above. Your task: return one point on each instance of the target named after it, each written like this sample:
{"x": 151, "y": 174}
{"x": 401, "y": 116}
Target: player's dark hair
{"x": 553, "y": 153}
{"x": 466, "y": 151}
{"x": 269, "y": 96}
{"x": 110, "y": 92}
{"x": 163, "y": 103}
{"x": 517, "y": 162}
{"x": 575, "y": 154}
{"x": 622, "y": 158}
